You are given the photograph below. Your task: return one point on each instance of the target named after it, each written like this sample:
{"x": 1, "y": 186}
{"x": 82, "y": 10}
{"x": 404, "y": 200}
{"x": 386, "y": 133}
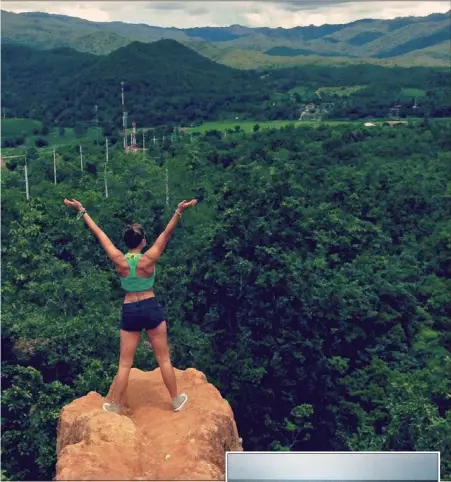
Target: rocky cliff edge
{"x": 150, "y": 441}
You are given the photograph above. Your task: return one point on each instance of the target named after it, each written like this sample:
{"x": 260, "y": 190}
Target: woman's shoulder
{"x": 145, "y": 264}
{"x": 121, "y": 264}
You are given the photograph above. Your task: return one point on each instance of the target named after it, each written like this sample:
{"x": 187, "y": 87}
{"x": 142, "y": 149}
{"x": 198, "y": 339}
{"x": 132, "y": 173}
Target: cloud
{"x": 199, "y": 11}
{"x": 186, "y": 14}
{"x": 164, "y": 5}
{"x": 294, "y": 6}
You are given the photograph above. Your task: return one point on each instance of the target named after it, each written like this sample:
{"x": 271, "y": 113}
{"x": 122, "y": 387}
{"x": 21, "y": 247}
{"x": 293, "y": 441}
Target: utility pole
{"x": 144, "y": 145}
{"x": 54, "y": 165}
{"x": 106, "y": 183}
{"x": 106, "y": 164}
{"x": 81, "y": 158}
{"x": 97, "y": 125}
{"x": 167, "y": 188}
{"x": 27, "y": 190}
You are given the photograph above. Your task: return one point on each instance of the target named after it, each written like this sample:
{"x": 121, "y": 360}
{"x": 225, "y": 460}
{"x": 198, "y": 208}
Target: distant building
{"x": 315, "y": 112}
{"x": 369, "y": 124}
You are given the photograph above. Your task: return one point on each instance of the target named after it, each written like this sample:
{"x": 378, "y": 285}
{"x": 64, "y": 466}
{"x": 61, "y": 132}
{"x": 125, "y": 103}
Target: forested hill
{"x": 163, "y": 80}
{"x": 406, "y": 40}
{"x": 168, "y": 83}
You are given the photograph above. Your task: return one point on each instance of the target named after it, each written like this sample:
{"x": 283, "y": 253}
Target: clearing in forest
{"x": 342, "y": 91}
{"x": 412, "y": 92}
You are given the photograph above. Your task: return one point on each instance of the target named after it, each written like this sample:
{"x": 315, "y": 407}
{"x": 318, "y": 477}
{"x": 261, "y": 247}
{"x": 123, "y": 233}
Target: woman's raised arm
{"x": 157, "y": 249}
{"x": 112, "y": 252}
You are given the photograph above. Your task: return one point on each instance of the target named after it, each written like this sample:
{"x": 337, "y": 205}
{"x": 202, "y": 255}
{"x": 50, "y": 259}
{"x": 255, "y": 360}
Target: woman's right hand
{"x": 184, "y": 205}
{"x": 73, "y": 204}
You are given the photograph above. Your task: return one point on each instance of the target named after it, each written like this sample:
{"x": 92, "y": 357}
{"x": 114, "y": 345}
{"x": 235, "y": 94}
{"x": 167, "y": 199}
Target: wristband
{"x": 179, "y": 213}
{"x": 80, "y": 214}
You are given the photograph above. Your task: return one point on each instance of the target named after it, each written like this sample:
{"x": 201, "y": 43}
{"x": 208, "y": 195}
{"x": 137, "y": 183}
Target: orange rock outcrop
{"x": 149, "y": 442}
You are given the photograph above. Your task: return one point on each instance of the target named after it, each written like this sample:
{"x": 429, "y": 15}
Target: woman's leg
{"x": 129, "y": 343}
{"x": 159, "y": 339}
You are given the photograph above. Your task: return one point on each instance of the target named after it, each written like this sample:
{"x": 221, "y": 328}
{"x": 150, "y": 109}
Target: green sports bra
{"x": 133, "y": 282}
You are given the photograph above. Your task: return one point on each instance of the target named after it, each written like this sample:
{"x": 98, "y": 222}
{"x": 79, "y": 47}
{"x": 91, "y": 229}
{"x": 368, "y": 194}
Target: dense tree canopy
{"x": 311, "y": 284}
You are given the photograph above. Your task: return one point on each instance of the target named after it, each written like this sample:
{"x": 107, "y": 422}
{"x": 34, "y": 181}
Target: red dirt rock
{"x": 150, "y": 442}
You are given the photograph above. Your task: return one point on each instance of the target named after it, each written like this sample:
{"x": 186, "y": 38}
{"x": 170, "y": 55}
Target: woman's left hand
{"x": 184, "y": 205}
{"x": 74, "y": 204}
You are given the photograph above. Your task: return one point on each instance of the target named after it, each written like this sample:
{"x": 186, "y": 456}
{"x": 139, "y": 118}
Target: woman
{"x": 140, "y": 309}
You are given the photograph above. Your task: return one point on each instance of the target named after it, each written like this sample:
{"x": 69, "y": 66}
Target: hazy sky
{"x": 184, "y": 14}
{"x": 332, "y": 466}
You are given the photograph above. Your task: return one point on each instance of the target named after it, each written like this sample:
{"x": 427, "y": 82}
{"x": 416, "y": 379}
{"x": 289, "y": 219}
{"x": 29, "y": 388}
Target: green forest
{"x": 311, "y": 283}
{"x": 169, "y": 84}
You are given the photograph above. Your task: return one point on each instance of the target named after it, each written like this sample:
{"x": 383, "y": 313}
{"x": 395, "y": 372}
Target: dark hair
{"x": 133, "y": 235}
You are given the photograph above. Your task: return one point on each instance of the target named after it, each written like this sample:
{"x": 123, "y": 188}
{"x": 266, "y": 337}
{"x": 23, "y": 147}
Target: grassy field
{"x": 301, "y": 90}
{"x": 411, "y": 92}
{"x": 26, "y": 127}
{"x": 248, "y": 126}
{"x": 19, "y": 127}
{"x": 342, "y": 91}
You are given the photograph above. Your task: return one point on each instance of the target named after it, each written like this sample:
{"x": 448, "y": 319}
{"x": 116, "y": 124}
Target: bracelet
{"x": 179, "y": 213}
{"x": 80, "y": 214}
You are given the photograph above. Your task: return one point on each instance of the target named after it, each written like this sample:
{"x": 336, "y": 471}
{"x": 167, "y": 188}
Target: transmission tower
{"x": 124, "y": 116}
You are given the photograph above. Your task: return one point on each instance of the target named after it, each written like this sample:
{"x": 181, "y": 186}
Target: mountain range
{"x": 404, "y": 41}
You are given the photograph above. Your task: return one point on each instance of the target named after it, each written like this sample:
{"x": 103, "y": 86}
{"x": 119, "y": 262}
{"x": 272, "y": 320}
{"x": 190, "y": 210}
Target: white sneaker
{"x": 179, "y": 402}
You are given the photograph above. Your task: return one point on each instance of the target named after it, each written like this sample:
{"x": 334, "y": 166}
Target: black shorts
{"x": 145, "y": 314}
